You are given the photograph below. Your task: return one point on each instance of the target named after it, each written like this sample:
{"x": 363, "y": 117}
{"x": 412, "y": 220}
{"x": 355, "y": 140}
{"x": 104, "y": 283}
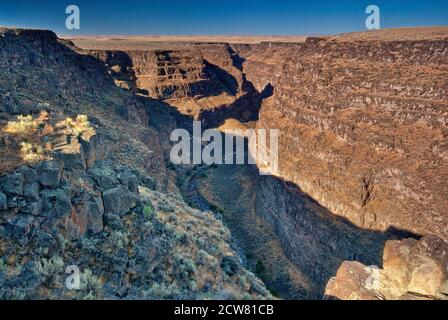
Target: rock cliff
{"x": 202, "y": 81}
{"x": 363, "y": 126}
{"x": 83, "y": 186}
{"x": 363, "y": 130}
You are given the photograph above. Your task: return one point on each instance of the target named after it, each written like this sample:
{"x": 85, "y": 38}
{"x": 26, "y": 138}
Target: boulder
{"x": 76, "y": 225}
{"x": 416, "y": 269}
{"x": 56, "y": 203}
{"x": 29, "y": 174}
{"x": 113, "y": 221}
{"x": 31, "y": 191}
{"x": 427, "y": 278}
{"x": 22, "y": 226}
{"x": 71, "y": 159}
{"x": 3, "y": 202}
{"x": 118, "y": 201}
{"x": 129, "y": 180}
{"x": 16, "y": 202}
{"x": 49, "y": 173}
{"x": 12, "y": 184}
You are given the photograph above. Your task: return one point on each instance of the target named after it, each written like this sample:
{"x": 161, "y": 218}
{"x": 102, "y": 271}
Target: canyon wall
{"x": 363, "y": 127}
{"x": 83, "y": 183}
{"x": 311, "y": 236}
{"x": 203, "y": 81}
{"x": 363, "y": 136}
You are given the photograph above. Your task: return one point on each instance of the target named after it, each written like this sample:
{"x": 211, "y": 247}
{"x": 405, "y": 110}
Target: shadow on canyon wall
{"x": 245, "y": 107}
{"x": 311, "y": 238}
{"x": 316, "y": 240}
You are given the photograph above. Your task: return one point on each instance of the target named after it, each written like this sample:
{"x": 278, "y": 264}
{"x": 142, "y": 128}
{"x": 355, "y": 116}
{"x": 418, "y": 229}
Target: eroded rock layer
{"x": 363, "y": 126}
{"x": 203, "y": 81}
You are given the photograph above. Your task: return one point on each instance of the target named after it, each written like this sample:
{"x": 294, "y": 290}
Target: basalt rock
{"x": 12, "y": 184}
{"x": 205, "y": 81}
{"x": 363, "y": 126}
{"x": 118, "y": 201}
{"x": 411, "y": 269}
{"x": 3, "y": 202}
{"x": 49, "y": 173}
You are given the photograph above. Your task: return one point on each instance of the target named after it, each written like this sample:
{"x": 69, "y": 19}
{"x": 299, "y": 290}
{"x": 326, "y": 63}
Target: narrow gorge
{"x": 350, "y": 146}
{"x": 363, "y": 150}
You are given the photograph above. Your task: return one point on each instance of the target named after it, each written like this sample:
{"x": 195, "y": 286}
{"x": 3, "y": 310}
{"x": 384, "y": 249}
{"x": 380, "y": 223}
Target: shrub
{"x": 90, "y": 284}
{"x": 32, "y": 153}
{"x": 50, "y": 267}
{"x": 148, "y": 212}
{"x": 23, "y": 125}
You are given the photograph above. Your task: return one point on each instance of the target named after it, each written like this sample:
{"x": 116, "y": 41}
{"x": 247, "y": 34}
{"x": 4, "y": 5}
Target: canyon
{"x": 363, "y": 122}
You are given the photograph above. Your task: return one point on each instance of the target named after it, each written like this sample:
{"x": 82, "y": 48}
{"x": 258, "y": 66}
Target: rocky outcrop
{"x": 80, "y": 168}
{"x": 60, "y": 67}
{"x": 129, "y": 241}
{"x": 412, "y": 269}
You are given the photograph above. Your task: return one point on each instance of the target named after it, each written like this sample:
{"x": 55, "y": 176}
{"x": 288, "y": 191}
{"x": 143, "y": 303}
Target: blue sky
{"x": 224, "y": 17}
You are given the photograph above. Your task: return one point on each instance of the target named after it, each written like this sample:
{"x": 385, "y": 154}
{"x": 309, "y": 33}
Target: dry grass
{"x": 24, "y": 125}
{"x": 75, "y": 126}
{"x": 31, "y": 152}
{"x": 22, "y": 138}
